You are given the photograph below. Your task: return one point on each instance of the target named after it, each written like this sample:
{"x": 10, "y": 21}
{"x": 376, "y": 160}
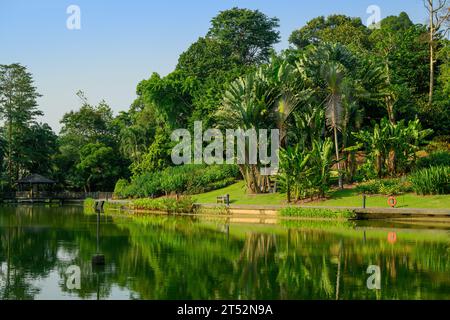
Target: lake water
{"x": 161, "y": 257}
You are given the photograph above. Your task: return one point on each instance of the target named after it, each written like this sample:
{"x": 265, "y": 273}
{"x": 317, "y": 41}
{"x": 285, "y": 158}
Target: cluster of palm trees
{"x": 317, "y": 101}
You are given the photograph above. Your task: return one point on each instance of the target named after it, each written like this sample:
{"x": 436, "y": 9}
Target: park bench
{"x": 224, "y": 199}
{"x": 98, "y": 205}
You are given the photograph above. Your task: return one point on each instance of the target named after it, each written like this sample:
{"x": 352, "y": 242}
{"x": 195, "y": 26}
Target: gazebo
{"x": 35, "y": 183}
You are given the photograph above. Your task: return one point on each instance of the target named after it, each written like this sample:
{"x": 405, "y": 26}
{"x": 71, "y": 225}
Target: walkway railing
{"x": 62, "y": 195}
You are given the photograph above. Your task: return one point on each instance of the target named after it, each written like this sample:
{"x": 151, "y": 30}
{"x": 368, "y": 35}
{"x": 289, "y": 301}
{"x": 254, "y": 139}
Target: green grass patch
{"x": 338, "y": 198}
{"x": 351, "y": 198}
{"x": 238, "y": 195}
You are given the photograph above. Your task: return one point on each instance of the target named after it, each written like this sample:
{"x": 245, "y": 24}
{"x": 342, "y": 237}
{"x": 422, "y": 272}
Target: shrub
{"x": 120, "y": 188}
{"x": 386, "y": 187}
{"x": 174, "y": 182}
{"x": 187, "y": 179}
{"x": 434, "y": 180}
{"x": 169, "y": 205}
{"x": 88, "y": 203}
{"x": 316, "y": 213}
{"x": 146, "y": 185}
{"x": 439, "y": 143}
{"x": 435, "y": 159}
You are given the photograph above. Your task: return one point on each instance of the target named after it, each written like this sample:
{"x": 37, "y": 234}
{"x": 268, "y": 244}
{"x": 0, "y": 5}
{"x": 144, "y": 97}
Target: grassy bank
{"x": 338, "y": 198}
{"x": 239, "y": 195}
{"x": 350, "y": 198}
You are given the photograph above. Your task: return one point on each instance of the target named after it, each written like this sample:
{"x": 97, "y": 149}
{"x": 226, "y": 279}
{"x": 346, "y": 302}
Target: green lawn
{"x": 238, "y": 195}
{"x": 340, "y": 198}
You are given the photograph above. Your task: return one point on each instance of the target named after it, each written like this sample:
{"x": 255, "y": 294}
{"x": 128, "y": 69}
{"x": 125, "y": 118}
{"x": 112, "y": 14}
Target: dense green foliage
{"x": 335, "y": 28}
{"x": 189, "y": 179}
{"x": 26, "y": 145}
{"x": 385, "y": 186}
{"x": 306, "y": 174}
{"x": 89, "y": 157}
{"x": 433, "y": 180}
{"x": 249, "y": 34}
{"x": 392, "y": 147}
{"x": 435, "y": 159}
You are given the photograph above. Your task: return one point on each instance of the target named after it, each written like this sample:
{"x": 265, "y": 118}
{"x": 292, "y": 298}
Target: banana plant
{"x": 322, "y": 161}
{"x": 294, "y": 171}
{"x": 391, "y": 146}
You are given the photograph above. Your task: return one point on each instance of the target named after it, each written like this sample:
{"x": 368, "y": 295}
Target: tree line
{"x": 341, "y": 87}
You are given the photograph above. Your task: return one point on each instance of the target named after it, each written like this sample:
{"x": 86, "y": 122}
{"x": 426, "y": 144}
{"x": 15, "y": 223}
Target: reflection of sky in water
{"x": 50, "y": 289}
{"x": 64, "y": 255}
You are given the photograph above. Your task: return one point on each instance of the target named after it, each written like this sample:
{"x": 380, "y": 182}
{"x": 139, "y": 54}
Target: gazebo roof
{"x": 35, "y": 179}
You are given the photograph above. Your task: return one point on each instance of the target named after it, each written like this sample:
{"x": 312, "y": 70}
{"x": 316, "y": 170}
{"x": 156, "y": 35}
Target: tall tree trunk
{"x": 430, "y": 96}
{"x": 392, "y": 162}
{"x": 288, "y": 187}
{"x": 379, "y": 166}
{"x": 389, "y": 100}
{"x": 431, "y": 11}
{"x": 250, "y": 177}
{"x": 351, "y": 164}
{"x": 336, "y": 144}
{"x": 390, "y": 109}
{"x": 255, "y": 178}
{"x": 10, "y": 173}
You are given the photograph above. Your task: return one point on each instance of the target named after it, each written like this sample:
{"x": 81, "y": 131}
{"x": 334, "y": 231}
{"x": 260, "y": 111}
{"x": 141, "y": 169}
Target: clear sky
{"x": 122, "y": 42}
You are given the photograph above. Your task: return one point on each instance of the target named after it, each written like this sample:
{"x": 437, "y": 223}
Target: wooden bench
{"x": 224, "y": 199}
{"x": 98, "y": 205}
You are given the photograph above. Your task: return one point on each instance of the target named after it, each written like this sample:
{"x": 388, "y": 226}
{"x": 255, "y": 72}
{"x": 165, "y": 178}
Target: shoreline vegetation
{"x": 340, "y": 204}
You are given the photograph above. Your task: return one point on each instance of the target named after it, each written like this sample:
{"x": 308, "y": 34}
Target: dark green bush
{"x": 435, "y": 159}
{"x": 434, "y": 180}
{"x": 187, "y": 179}
{"x": 121, "y": 186}
{"x": 385, "y": 186}
{"x": 146, "y": 185}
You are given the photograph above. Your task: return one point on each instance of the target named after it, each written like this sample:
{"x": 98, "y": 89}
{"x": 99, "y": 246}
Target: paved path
{"x": 367, "y": 213}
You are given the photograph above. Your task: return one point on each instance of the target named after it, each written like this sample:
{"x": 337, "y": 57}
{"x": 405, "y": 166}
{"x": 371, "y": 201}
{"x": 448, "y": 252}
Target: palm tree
{"x": 293, "y": 93}
{"x": 248, "y": 104}
{"x": 328, "y": 68}
{"x": 342, "y": 82}
{"x": 334, "y": 75}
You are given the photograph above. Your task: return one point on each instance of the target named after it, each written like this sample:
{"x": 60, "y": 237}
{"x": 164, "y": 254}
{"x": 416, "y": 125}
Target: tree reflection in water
{"x": 160, "y": 257}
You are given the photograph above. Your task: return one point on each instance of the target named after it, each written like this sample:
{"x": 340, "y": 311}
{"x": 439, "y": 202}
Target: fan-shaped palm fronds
{"x": 248, "y": 104}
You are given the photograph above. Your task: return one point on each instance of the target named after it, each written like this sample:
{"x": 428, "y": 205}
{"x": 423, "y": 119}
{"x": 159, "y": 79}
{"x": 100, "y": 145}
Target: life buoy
{"x": 392, "y": 237}
{"x": 392, "y": 202}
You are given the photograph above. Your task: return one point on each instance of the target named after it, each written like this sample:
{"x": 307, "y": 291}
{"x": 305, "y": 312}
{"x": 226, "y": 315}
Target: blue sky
{"x": 122, "y": 42}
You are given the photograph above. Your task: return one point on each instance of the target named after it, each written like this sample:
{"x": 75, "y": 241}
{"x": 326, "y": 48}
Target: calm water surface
{"x": 161, "y": 257}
